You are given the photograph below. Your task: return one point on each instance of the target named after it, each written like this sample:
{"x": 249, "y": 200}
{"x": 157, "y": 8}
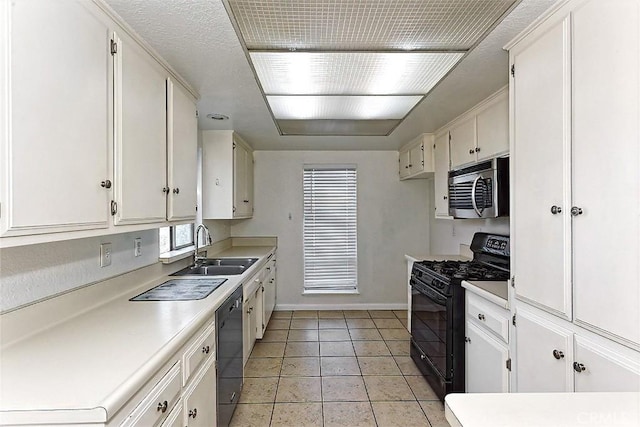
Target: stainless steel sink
{"x": 180, "y": 290}
{"x": 217, "y": 267}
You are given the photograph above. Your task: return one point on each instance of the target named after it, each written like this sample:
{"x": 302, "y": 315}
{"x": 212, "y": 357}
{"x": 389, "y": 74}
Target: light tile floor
{"x": 336, "y": 368}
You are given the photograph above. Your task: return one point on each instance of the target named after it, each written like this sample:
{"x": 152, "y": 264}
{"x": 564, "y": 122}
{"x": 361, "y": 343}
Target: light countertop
{"x": 543, "y": 409}
{"x": 494, "y": 291}
{"x": 86, "y": 367}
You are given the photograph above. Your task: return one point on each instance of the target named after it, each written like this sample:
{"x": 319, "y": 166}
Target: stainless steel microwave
{"x": 480, "y": 190}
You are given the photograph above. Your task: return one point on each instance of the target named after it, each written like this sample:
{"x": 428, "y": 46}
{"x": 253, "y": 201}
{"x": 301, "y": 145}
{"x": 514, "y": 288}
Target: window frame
{"x": 172, "y": 237}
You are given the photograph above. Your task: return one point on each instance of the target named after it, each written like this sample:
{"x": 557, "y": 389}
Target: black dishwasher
{"x": 229, "y": 356}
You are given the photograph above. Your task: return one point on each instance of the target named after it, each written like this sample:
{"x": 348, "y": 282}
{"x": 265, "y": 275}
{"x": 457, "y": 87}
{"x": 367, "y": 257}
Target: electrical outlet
{"x": 137, "y": 246}
{"x": 105, "y": 254}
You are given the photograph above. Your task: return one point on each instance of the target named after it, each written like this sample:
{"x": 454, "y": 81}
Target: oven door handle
{"x": 473, "y": 196}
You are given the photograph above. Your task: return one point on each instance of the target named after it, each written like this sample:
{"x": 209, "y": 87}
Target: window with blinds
{"x": 330, "y": 228}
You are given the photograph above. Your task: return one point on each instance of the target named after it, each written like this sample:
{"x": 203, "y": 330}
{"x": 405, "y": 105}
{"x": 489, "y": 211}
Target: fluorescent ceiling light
{"x": 351, "y": 73}
{"x": 303, "y": 107}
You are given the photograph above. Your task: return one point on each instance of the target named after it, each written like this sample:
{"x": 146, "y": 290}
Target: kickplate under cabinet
{"x": 180, "y": 290}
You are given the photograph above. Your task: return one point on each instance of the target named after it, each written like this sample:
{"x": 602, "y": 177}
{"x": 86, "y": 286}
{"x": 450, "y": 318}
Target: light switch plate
{"x": 137, "y": 246}
{"x": 105, "y": 254}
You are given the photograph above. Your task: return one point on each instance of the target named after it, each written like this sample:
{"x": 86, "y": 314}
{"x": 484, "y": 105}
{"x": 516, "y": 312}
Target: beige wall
{"x": 392, "y": 220}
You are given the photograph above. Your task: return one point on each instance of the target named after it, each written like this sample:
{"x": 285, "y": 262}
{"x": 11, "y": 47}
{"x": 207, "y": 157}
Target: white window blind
{"x": 330, "y": 228}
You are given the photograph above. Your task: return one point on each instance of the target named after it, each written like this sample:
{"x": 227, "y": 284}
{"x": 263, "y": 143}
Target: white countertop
{"x": 86, "y": 367}
{"x": 543, "y": 409}
{"x": 495, "y": 291}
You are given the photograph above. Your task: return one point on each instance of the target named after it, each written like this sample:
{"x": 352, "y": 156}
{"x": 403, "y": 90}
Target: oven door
{"x": 431, "y": 327}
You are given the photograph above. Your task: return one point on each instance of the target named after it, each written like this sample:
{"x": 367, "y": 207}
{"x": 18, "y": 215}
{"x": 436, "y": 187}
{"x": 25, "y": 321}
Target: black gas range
{"x": 438, "y": 312}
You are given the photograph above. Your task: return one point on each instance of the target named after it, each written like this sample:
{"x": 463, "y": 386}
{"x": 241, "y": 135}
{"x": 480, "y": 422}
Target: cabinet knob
{"x": 193, "y": 413}
{"x": 575, "y": 211}
{"x": 206, "y": 349}
{"x": 556, "y": 209}
{"x": 477, "y": 149}
{"x": 467, "y": 339}
{"x": 558, "y": 354}
{"x": 444, "y": 197}
{"x": 481, "y": 316}
{"x": 176, "y": 191}
{"x": 471, "y": 151}
{"x": 162, "y": 406}
{"x": 105, "y": 184}
{"x": 410, "y": 165}
{"x": 423, "y": 357}
{"x": 578, "y": 367}
{"x": 246, "y": 201}
{"x": 406, "y": 167}
{"x": 165, "y": 190}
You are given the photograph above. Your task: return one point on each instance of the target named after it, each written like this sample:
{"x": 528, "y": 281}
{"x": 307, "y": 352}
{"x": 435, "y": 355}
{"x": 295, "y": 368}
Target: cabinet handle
{"x": 406, "y": 167}
{"x": 206, "y": 349}
{"x": 410, "y": 165}
{"x": 575, "y": 211}
{"x": 477, "y": 149}
{"x": 578, "y": 367}
{"x": 481, "y": 316}
{"x": 471, "y": 151}
{"x": 558, "y": 354}
{"x": 176, "y": 191}
{"x": 162, "y": 406}
{"x": 423, "y": 357}
{"x": 268, "y": 268}
{"x": 233, "y": 396}
{"x": 467, "y": 339}
{"x": 556, "y": 209}
{"x": 193, "y": 413}
{"x": 105, "y": 184}
{"x": 444, "y": 197}
{"x": 246, "y": 201}
{"x": 166, "y": 190}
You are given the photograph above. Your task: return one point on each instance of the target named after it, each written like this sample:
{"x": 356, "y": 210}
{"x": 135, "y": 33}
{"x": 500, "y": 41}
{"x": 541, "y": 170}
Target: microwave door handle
{"x": 473, "y": 195}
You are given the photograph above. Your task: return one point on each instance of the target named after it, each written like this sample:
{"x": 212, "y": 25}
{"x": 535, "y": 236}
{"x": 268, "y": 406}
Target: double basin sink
{"x": 217, "y": 267}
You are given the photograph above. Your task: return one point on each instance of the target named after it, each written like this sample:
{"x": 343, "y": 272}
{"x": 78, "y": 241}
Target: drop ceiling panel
{"x": 365, "y": 24}
{"x": 348, "y": 73}
{"x": 337, "y": 127}
{"x": 341, "y": 107}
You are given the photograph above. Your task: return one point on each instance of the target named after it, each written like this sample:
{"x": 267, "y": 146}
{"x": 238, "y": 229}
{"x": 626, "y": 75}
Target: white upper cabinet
{"x": 441, "y": 174}
{"x": 542, "y": 141}
{"x": 416, "y": 158}
{"x": 483, "y": 133}
{"x": 227, "y": 176}
{"x": 576, "y": 167}
{"x": 54, "y": 117}
{"x": 141, "y": 135}
{"x": 182, "y": 149}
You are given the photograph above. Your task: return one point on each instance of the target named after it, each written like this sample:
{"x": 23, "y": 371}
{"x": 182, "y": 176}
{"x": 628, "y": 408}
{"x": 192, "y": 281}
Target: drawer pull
{"x": 206, "y": 349}
{"x": 578, "y": 367}
{"x": 558, "y": 354}
{"x": 162, "y": 406}
{"x": 481, "y": 316}
{"x": 193, "y": 413}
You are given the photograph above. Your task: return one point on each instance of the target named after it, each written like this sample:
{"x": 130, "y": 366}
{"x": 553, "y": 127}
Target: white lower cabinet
{"x": 487, "y": 362}
{"x": 249, "y": 323}
{"x": 200, "y": 398}
{"x": 551, "y": 358}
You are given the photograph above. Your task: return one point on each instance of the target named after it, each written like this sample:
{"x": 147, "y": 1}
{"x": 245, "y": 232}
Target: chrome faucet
{"x": 207, "y": 240}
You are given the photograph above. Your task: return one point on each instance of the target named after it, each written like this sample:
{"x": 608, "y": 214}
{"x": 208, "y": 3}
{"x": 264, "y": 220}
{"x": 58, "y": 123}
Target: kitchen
{"x": 52, "y": 250}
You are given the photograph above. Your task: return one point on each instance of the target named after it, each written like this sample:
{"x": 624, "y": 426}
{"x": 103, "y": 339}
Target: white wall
{"x": 392, "y": 220}
{"x": 446, "y": 235}
{"x": 35, "y": 272}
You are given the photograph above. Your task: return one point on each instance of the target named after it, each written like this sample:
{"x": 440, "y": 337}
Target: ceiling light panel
{"x": 349, "y": 73}
{"x": 365, "y": 24}
{"x": 341, "y": 107}
{"x": 337, "y": 127}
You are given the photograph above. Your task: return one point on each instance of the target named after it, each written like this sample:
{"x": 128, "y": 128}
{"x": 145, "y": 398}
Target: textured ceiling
{"x": 197, "y": 38}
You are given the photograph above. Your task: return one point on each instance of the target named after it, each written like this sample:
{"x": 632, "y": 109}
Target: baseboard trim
{"x": 362, "y": 306}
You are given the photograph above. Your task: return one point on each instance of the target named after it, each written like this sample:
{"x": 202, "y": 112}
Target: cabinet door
{"x": 54, "y": 117}
{"x": 463, "y": 143}
{"x": 269, "y": 297}
{"x": 141, "y": 135}
{"x": 601, "y": 369}
{"x": 249, "y": 183}
{"x": 200, "y": 398}
{"x": 544, "y": 354}
{"x": 441, "y": 175}
{"x": 259, "y": 319}
{"x": 493, "y": 129}
{"x": 182, "y": 152}
{"x": 485, "y": 364}
{"x": 240, "y": 201}
{"x": 404, "y": 163}
{"x": 248, "y": 327}
{"x": 542, "y": 143}
{"x": 606, "y": 179}
{"x": 416, "y": 158}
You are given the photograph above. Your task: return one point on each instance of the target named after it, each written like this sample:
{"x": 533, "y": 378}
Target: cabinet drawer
{"x": 155, "y": 407}
{"x": 489, "y": 316}
{"x": 202, "y": 348}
